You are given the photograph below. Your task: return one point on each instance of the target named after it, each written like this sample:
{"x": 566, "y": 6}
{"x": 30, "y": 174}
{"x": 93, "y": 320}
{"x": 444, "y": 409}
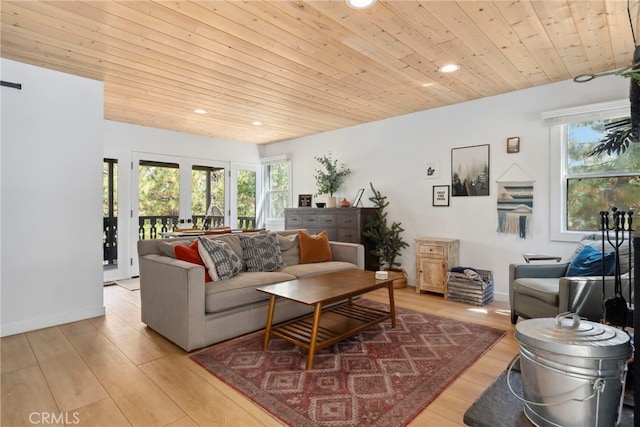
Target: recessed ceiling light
{"x": 200, "y": 111}
{"x": 449, "y": 68}
{"x": 427, "y": 84}
{"x": 360, "y": 4}
{"x": 257, "y": 123}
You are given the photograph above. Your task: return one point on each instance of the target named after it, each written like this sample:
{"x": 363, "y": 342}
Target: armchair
{"x": 544, "y": 290}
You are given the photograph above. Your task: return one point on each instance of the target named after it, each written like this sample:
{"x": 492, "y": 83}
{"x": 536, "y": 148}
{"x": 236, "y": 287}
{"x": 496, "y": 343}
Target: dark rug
{"x": 382, "y": 377}
{"x": 497, "y": 406}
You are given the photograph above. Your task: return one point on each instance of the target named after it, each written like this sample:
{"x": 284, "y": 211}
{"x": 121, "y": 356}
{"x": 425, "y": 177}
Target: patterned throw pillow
{"x": 219, "y": 258}
{"x": 261, "y": 252}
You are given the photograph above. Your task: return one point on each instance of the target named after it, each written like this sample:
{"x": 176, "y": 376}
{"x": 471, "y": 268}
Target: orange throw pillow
{"x": 190, "y": 254}
{"x": 314, "y": 248}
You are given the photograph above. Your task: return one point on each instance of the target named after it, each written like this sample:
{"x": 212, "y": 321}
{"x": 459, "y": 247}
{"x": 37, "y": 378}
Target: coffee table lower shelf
{"x": 336, "y": 323}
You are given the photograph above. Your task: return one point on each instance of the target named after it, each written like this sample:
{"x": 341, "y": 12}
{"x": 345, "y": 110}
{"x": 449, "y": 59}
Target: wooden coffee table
{"x": 336, "y": 322}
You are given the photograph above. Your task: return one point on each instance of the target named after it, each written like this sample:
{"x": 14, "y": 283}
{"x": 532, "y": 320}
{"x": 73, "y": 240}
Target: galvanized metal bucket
{"x": 573, "y": 371}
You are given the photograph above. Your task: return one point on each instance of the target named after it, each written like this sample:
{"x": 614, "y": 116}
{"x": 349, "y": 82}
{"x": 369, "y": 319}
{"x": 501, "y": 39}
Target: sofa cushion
{"x": 190, "y": 254}
{"x": 314, "y": 248}
{"x": 545, "y": 289}
{"x": 221, "y": 261}
{"x": 290, "y": 249}
{"x": 312, "y": 269}
{"x": 261, "y": 252}
{"x": 240, "y": 290}
{"x": 588, "y": 262}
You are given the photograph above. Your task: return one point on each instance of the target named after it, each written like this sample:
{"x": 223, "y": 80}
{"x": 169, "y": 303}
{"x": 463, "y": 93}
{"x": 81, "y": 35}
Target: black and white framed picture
{"x": 304, "y": 200}
{"x": 440, "y": 195}
{"x": 470, "y": 171}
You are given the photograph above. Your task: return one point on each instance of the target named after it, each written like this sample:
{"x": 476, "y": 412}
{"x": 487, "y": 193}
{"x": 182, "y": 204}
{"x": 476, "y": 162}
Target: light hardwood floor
{"x": 114, "y": 371}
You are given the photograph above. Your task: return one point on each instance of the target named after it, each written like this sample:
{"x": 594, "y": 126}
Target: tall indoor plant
{"x": 329, "y": 179}
{"x": 385, "y": 236}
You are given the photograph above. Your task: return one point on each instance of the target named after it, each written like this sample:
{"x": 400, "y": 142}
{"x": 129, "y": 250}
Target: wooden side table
{"x": 434, "y": 258}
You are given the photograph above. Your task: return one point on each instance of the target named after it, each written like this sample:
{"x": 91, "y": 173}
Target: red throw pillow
{"x": 314, "y": 248}
{"x": 190, "y": 254}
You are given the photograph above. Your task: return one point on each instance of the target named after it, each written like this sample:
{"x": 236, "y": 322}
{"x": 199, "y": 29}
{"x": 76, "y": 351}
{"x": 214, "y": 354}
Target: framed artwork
{"x": 513, "y": 144}
{"x": 470, "y": 171}
{"x": 432, "y": 170}
{"x": 356, "y": 200}
{"x": 304, "y": 200}
{"x": 441, "y": 195}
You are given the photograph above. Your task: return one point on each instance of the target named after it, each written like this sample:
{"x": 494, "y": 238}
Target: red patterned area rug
{"x": 382, "y": 377}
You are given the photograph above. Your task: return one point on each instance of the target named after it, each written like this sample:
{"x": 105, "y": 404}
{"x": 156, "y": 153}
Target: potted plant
{"x": 330, "y": 178}
{"x": 386, "y": 238}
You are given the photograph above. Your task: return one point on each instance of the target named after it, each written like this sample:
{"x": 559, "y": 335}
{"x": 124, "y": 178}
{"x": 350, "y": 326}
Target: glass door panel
{"x": 110, "y": 213}
{"x": 158, "y": 198}
{"x": 207, "y": 196}
{"x": 245, "y": 195}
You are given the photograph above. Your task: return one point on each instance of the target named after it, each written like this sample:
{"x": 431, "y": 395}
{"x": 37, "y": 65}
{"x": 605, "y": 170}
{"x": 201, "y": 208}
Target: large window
{"x": 277, "y": 188}
{"x": 596, "y": 182}
{"x": 584, "y": 184}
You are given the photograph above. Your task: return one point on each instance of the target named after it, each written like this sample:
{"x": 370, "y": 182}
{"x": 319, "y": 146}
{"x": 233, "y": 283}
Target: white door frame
{"x": 124, "y": 198}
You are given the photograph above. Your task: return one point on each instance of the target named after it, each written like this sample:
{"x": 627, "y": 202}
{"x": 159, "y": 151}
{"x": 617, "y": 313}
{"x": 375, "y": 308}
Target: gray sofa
{"x": 178, "y": 304}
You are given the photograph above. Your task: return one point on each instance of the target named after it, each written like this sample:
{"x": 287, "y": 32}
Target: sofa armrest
{"x": 172, "y": 299}
{"x": 517, "y": 271}
{"x": 348, "y": 252}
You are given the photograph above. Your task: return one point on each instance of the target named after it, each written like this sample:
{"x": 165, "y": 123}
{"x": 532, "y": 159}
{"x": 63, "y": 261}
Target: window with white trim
{"x": 277, "y": 178}
{"x": 584, "y": 184}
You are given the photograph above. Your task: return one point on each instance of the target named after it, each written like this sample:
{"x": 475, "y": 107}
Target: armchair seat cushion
{"x": 544, "y": 289}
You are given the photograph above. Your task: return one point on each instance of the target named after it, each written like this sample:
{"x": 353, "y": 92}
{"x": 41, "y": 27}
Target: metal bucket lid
{"x": 567, "y": 334}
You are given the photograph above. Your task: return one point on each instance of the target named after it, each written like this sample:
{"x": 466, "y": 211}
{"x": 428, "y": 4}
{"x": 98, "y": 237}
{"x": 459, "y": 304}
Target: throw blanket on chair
{"x": 515, "y": 203}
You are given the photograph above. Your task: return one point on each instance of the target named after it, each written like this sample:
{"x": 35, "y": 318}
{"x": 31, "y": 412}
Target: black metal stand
{"x": 617, "y": 311}
{"x": 636, "y": 327}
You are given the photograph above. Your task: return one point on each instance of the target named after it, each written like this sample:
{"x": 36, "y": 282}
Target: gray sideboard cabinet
{"x": 341, "y": 225}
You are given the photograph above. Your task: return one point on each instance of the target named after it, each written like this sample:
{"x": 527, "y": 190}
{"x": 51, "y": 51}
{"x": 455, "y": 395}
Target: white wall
{"x": 393, "y": 153}
{"x": 51, "y": 215}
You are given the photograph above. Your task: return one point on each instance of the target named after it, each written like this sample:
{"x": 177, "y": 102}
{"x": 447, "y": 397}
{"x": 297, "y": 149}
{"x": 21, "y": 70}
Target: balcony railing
{"x": 151, "y": 227}
{"x": 110, "y": 240}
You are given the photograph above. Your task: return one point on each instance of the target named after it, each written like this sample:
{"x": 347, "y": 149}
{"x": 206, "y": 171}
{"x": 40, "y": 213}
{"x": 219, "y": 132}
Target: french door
{"x": 246, "y": 186}
{"x": 170, "y": 192}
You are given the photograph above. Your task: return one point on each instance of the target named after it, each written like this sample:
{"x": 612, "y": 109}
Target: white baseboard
{"x": 54, "y": 320}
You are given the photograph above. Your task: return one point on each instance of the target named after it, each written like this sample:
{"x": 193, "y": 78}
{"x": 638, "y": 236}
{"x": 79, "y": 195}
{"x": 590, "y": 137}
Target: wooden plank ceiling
{"x": 303, "y": 67}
